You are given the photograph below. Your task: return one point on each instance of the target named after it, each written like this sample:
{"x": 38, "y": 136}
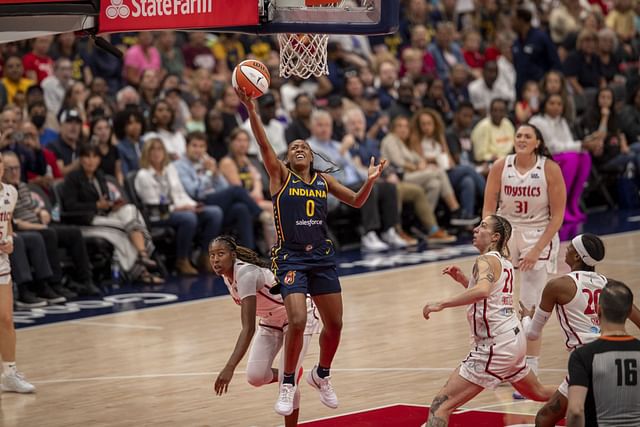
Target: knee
{"x": 257, "y": 377}
{"x": 297, "y": 322}
{"x": 333, "y": 326}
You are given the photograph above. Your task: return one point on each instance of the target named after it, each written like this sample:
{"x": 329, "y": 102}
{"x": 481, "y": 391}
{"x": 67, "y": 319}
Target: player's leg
{"x": 553, "y": 411}
{"x": 11, "y": 379}
{"x": 456, "y": 392}
{"x": 530, "y": 387}
{"x": 326, "y": 293}
{"x": 532, "y": 284}
{"x": 266, "y": 345}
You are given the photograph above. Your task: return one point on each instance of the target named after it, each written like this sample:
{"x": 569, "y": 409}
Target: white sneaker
{"x": 392, "y": 237}
{"x": 15, "y": 382}
{"x": 327, "y": 394}
{"x": 284, "y": 404}
{"x": 370, "y": 242}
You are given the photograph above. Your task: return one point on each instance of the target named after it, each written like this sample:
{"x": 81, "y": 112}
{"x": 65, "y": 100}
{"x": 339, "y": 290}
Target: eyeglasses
{"x": 12, "y": 168}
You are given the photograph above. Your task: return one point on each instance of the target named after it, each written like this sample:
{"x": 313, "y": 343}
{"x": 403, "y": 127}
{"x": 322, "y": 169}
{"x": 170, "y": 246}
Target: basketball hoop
{"x": 305, "y": 55}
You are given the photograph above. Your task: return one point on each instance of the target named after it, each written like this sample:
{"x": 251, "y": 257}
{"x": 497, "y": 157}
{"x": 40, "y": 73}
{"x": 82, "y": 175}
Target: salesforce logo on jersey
{"x": 112, "y": 303}
{"x": 308, "y": 222}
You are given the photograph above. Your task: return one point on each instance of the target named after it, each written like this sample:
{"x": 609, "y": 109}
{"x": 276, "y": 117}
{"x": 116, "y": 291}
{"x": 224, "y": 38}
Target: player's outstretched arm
{"x": 492, "y": 189}
{"x": 350, "y": 197}
{"x": 486, "y": 271}
{"x": 248, "y": 316}
{"x": 275, "y": 168}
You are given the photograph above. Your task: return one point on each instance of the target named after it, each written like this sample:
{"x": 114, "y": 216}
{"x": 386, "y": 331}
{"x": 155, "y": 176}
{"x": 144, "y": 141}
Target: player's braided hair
{"x": 502, "y": 227}
{"x": 243, "y": 254}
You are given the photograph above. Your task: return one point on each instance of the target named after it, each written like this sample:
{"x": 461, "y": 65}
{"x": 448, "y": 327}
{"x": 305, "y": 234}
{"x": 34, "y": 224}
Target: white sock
{"x": 532, "y": 362}
{"x": 8, "y": 367}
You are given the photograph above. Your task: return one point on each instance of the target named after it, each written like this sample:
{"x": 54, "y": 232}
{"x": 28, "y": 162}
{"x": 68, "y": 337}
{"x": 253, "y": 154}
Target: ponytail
{"x": 503, "y": 228}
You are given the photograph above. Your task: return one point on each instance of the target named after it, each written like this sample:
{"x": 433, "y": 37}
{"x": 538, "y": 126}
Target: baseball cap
{"x": 69, "y": 115}
{"x": 370, "y": 93}
{"x": 266, "y": 100}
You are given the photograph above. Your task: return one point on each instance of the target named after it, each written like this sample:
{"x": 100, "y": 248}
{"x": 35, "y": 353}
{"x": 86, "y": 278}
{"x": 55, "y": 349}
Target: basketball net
{"x": 305, "y": 55}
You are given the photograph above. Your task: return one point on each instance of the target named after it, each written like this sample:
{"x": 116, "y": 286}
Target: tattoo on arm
{"x": 435, "y": 421}
{"x": 482, "y": 268}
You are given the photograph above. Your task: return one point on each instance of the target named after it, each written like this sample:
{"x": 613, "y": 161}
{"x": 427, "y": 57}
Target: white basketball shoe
{"x": 323, "y": 385}
{"x": 284, "y": 404}
{"x": 15, "y": 382}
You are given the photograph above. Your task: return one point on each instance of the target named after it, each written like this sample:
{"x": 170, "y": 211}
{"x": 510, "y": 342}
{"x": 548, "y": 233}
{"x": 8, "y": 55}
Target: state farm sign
{"x": 135, "y": 15}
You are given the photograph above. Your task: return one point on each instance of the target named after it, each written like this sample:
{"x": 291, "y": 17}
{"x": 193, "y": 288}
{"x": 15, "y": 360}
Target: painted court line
{"x": 201, "y": 374}
{"x": 116, "y": 325}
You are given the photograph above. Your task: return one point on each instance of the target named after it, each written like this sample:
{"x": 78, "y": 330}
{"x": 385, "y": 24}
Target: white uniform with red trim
{"x": 8, "y": 198}
{"x": 250, "y": 280}
{"x": 500, "y": 345}
{"x": 579, "y": 317}
{"x": 524, "y": 201}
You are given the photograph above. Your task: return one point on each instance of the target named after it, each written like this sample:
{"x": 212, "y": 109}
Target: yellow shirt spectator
{"x": 491, "y": 142}
{"x": 12, "y": 87}
{"x": 623, "y": 23}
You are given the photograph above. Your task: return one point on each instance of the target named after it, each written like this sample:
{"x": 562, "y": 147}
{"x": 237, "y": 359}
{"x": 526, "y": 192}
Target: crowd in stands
{"x": 139, "y": 150}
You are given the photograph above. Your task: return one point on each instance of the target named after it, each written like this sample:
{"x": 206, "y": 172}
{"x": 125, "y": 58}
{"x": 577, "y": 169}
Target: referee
{"x": 603, "y": 375}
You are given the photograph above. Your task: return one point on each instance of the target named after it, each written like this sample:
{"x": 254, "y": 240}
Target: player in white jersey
{"x": 249, "y": 281}
{"x": 11, "y": 379}
{"x": 575, "y": 298}
{"x": 527, "y": 188}
{"x": 499, "y": 352}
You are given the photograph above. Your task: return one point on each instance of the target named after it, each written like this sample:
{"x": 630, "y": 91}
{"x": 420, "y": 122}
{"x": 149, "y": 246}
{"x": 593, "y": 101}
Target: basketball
{"x": 252, "y": 76}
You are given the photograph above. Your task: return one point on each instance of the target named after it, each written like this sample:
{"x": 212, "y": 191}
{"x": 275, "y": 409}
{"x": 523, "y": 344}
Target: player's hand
{"x": 431, "y": 308}
{"x": 245, "y": 99}
{"x": 456, "y": 274}
{"x": 222, "y": 382}
{"x": 525, "y": 312}
{"x": 376, "y": 170}
{"x": 6, "y": 246}
{"x": 529, "y": 261}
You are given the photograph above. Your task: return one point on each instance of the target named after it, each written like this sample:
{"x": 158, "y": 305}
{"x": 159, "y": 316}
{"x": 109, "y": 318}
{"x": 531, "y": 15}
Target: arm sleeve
{"x": 249, "y": 279}
{"x": 579, "y": 369}
{"x": 533, "y": 327}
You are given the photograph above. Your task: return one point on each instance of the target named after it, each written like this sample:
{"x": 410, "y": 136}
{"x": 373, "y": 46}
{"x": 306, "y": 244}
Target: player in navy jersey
{"x": 303, "y": 259}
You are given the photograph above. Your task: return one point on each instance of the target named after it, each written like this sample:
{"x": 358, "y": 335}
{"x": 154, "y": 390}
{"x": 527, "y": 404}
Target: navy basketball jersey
{"x": 300, "y": 210}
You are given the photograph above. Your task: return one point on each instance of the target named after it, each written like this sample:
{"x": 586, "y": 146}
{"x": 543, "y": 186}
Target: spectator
{"x": 533, "y": 51}
{"x": 29, "y": 269}
{"x": 353, "y": 90}
{"x": 140, "y": 57}
{"x": 529, "y": 103}
{"x": 128, "y": 126}
{"x": 162, "y": 122}
{"x": 29, "y": 216}
{"x": 39, "y": 166}
{"x": 96, "y": 106}
{"x": 610, "y": 59}
{"x": 437, "y": 100}
{"x": 8, "y": 124}
{"x": 13, "y": 80}
{"x": 228, "y": 51}
{"x": 582, "y": 67}
{"x": 457, "y": 90}
{"x": 569, "y": 153}
{"x": 216, "y": 141}
{"x": 274, "y": 129}
{"x": 622, "y": 20}
{"x": 105, "y": 65}
{"x": 66, "y": 146}
{"x": 394, "y": 148}
{"x": 612, "y": 153}
{"x": 202, "y": 86}
{"x": 493, "y": 136}
{"x": 458, "y": 137}
{"x": 88, "y": 201}
{"x": 75, "y": 98}
{"x": 101, "y": 134}
{"x": 506, "y": 69}
{"x": 406, "y": 103}
{"x": 171, "y": 57}
{"x": 471, "y": 44}
{"x": 38, "y": 64}
{"x": 238, "y": 170}
{"x": 630, "y": 118}
{"x": 203, "y": 182}
{"x": 197, "y": 116}
{"x": 148, "y": 89}
{"x": 197, "y": 54}
{"x": 566, "y": 19}
{"x": 489, "y": 87}
{"x": 159, "y": 187}
{"x": 387, "y": 81}
{"x": 595, "y": 397}
{"x": 229, "y": 109}
{"x": 66, "y": 46}
{"x": 127, "y": 97}
{"x": 335, "y": 107}
{"x": 413, "y": 63}
{"x": 444, "y": 50}
{"x": 427, "y": 139}
{"x": 38, "y": 113}
{"x": 380, "y": 212}
{"x": 377, "y": 122}
{"x": 301, "y": 115}
{"x": 555, "y": 83}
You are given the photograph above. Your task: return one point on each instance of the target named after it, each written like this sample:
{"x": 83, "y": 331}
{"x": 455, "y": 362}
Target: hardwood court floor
{"x": 156, "y": 367}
